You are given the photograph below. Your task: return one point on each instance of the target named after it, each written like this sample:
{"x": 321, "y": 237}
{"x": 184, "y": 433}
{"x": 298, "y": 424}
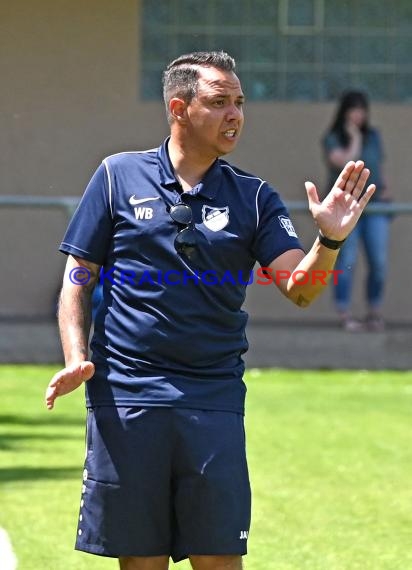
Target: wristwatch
{"x": 330, "y": 243}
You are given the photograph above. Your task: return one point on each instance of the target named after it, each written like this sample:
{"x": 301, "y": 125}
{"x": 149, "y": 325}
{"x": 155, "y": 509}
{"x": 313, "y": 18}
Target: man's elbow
{"x": 301, "y": 300}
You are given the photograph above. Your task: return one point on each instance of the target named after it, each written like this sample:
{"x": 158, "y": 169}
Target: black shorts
{"x": 164, "y": 481}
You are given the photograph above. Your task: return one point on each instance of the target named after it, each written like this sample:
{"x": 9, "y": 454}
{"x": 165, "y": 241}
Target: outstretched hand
{"x": 338, "y": 213}
{"x": 67, "y": 380}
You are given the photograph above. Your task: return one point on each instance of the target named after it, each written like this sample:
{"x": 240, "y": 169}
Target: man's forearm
{"x": 312, "y": 275}
{"x": 75, "y": 309}
{"x": 74, "y": 317}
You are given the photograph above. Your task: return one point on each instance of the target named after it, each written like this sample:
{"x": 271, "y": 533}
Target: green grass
{"x": 330, "y": 460}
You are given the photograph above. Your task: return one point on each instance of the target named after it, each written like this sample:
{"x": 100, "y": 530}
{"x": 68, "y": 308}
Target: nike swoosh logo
{"x": 133, "y": 201}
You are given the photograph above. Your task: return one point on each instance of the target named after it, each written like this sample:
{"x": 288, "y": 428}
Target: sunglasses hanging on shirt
{"x": 187, "y": 238}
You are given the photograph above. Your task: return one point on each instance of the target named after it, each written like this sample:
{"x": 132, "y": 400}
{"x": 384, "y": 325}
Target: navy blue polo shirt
{"x": 171, "y": 330}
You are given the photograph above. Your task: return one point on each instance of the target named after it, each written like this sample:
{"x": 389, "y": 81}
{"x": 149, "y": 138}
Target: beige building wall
{"x": 70, "y": 96}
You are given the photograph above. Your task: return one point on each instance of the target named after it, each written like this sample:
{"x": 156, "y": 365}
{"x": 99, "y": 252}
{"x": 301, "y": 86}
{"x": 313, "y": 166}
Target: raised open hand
{"x": 337, "y": 214}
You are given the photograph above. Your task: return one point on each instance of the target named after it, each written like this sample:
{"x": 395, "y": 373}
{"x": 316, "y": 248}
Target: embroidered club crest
{"x": 287, "y": 225}
{"x": 215, "y": 219}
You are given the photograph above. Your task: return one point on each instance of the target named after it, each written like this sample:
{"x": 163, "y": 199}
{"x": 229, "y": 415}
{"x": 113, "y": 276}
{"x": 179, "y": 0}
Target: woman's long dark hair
{"x": 349, "y": 100}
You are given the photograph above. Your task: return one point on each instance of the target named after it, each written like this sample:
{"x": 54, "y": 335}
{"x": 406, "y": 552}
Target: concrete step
{"x": 272, "y": 344}
{"x": 325, "y": 345}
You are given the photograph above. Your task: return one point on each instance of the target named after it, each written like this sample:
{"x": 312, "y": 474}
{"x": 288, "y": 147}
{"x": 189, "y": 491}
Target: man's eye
{"x": 219, "y": 102}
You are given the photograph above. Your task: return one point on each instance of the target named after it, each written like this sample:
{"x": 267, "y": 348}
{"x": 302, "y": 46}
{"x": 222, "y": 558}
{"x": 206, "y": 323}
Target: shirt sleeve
{"x": 275, "y": 233}
{"x": 331, "y": 142}
{"x": 90, "y": 230}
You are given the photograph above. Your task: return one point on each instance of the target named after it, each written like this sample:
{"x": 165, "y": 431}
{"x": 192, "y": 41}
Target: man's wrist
{"x": 330, "y": 243}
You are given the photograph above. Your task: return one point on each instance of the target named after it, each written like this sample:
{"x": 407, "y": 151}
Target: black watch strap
{"x": 330, "y": 243}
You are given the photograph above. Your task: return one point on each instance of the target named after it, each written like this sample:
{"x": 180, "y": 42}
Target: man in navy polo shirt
{"x": 172, "y": 234}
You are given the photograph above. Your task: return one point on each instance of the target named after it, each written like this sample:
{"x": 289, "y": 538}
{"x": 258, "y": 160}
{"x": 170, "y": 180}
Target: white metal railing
{"x": 69, "y": 204}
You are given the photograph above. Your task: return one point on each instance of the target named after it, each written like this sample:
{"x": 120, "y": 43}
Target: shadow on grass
{"x": 10, "y": 441}
{"x": 14, "y": 474}
{"x": 50, "y": 428}
{"x": 47, "y": 420}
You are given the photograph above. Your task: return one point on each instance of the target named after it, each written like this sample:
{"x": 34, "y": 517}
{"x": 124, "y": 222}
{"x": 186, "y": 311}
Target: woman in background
{"x": 351, "y": 137}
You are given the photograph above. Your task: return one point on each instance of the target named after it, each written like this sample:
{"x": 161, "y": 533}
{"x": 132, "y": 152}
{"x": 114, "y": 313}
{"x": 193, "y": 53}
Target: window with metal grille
{"x": 308, "y": 50}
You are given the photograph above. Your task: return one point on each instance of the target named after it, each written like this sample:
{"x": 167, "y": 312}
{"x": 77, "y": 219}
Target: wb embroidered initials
{"x": 143, "y": 213}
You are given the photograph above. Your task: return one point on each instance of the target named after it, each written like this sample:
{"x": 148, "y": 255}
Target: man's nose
{"x": 234, "y": 112}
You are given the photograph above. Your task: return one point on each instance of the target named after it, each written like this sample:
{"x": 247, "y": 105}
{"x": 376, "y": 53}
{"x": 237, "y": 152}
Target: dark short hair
{"x": 180, "y": 77}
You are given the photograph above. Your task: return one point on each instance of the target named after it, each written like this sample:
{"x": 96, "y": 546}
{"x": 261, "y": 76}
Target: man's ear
{"x": 177, "y": 108}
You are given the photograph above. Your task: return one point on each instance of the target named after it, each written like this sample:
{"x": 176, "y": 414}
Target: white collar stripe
{"x": 257, "y": 207}
{"x": 251, "y": 178}
{"x": 110, "y": 187}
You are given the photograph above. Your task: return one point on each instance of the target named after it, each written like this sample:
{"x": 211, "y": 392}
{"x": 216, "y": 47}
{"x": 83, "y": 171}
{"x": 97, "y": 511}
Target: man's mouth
{"x": 230, "y": 133}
